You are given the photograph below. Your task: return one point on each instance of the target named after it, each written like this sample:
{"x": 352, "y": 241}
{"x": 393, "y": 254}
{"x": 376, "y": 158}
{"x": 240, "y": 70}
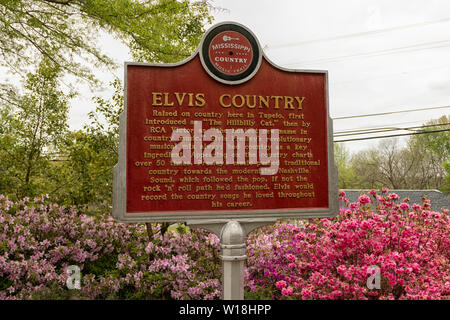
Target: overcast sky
{"x": 381, "y": 55}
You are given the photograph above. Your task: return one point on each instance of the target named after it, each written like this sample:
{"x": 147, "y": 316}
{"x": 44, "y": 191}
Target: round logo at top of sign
{"x": 230, "y": 53}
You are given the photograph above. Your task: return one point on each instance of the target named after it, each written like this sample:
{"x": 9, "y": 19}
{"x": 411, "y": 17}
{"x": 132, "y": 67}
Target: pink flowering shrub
{"x": 334, "y": 258}
{"x": 38, "y": 240}
{"x": 319, "y": 259}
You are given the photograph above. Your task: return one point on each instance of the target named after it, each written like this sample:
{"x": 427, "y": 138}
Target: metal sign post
{"x": 232, "y": 243}
{"x": 232, "y": 236}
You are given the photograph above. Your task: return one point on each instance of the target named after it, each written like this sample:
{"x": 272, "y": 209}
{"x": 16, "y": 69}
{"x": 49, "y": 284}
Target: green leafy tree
{"x": 90, "y": 155}
{"x": 446, "y": 187}
{"x": 347, "y": 178}
{"x": 435, "y": 151}
{"x": 437, "y": 142}
{"x": 33, "y": 124}
{"x": 66, "y": 31}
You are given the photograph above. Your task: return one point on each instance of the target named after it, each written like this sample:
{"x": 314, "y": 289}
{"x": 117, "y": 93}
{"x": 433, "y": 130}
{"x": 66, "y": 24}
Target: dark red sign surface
{"x": 162, "y": 99}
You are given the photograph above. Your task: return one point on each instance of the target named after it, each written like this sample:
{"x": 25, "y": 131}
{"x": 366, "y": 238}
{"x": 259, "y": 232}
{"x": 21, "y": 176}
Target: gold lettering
{"x": 288, "y": 102}
{"x": 157, "y": 99}
{"x": 264, "y": 101}
{"x": 277, "y": 99}
{"x": 251, "y": 106}
{"x": 166, "y": 100}
{"x": 200, "y": 100}
{"x": 221, "y": 101}
{"x": 233, "y": 101}
{"x": 191, "y": 102}
{"x": 300, "y": 102}
{"x": 180, "y": 99}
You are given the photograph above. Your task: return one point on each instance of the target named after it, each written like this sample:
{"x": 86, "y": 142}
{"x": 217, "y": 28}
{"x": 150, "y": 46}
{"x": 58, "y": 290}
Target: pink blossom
{"x": 341, "y": 269}
{"x": 280, "y": 284}
{"x": 364, "y": 199}
{"x": 404, "y": 206}
{"x": 149, "y": 247}
{"x": 291, "y": 258}
{"x": 287, "y": 291}
{"x": 306, "y": 294}
{"x": 393, "y": 196}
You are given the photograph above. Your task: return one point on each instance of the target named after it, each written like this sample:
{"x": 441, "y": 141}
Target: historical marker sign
{"x": 225, "y": 134}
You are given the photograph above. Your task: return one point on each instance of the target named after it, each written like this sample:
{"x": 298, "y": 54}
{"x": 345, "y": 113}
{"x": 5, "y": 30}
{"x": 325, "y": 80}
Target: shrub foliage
{"x": 318, "y": 259}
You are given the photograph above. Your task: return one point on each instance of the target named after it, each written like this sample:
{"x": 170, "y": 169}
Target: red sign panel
{"x": 195, "y": 144}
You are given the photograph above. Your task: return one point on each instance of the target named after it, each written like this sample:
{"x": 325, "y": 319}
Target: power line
{"x": 384, "y": 126}
{"x": 384, "y": 75}
{"x": 371, "y": 131}
{"x": 390, "y": 128}
{"x": 358, "y": 34}
{"x": 414, "y": 47}
{"x": 386, "y": 113}
{"x": 393, "y": 135}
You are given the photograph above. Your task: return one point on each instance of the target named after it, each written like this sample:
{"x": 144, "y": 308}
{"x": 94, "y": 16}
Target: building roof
{"x": 438, "y": 199}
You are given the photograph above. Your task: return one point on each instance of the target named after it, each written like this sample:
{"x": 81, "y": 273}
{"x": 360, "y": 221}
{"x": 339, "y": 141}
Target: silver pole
{"x": 232, "y": 236}
{"x": 232, "y": 243}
